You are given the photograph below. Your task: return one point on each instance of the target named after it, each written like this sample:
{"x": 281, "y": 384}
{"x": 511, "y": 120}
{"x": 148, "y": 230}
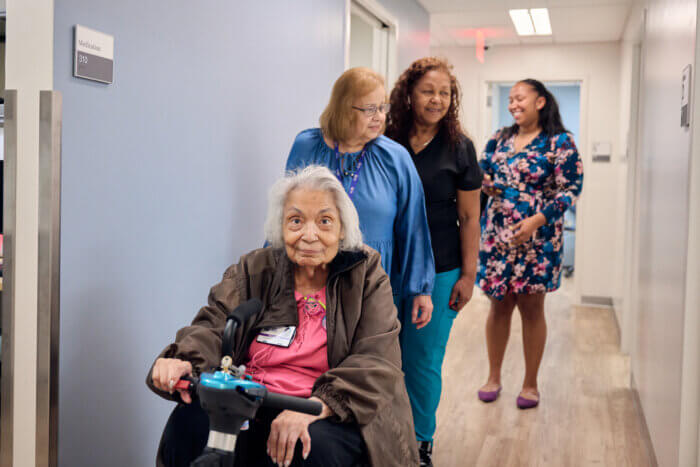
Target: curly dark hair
{"x": 400, "y": 118}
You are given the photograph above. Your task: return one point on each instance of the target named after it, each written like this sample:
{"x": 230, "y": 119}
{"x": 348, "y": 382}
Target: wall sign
{"x": 685, "y": 97}
{"x": 94, "y": 55}
{"x": 601, "y": 151}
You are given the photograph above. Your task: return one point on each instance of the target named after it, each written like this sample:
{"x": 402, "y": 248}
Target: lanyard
{"x": 355, "y": 172}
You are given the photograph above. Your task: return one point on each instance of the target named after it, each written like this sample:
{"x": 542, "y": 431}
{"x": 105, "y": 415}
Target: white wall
{"x": 626, "y": 270}
{"x": 598, "y": 66}
{"x": 690, "y": 389}
{"x": 665, "y": 280}
{"x": 29, "y": 69}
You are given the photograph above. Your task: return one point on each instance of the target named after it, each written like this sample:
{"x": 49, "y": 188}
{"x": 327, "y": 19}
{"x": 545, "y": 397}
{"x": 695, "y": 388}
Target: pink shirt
{"x": 293, "y": 370}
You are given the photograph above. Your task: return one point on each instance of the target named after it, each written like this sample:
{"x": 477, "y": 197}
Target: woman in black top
{"x": 424, "y": 118}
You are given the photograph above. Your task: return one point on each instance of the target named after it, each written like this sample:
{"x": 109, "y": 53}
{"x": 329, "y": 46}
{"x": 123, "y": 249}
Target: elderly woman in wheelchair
{"x": 328, "y": 331}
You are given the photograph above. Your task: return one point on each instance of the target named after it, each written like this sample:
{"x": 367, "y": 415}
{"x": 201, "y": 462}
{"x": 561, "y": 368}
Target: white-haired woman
{"x": 318, "y": 277}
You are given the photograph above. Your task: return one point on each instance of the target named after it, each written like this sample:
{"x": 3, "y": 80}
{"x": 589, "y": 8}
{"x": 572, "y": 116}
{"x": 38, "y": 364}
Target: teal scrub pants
{"x": 423, "y": 351}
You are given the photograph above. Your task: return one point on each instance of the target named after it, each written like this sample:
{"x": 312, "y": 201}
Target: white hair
{"x": 318, "y": 178}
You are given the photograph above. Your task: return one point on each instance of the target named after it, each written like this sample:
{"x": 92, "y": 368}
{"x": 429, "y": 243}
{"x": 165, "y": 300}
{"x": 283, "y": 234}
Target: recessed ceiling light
{"x": 540, "y": 18}
{"x": 534, "y": 21}
{"x": 523, "y": 22}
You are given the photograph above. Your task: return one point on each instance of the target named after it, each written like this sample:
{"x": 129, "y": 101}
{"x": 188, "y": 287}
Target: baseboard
{"x": 596, "y": 301}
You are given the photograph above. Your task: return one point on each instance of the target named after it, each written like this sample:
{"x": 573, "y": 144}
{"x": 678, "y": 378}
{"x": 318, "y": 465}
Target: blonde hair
{"x": 338, "y": 118}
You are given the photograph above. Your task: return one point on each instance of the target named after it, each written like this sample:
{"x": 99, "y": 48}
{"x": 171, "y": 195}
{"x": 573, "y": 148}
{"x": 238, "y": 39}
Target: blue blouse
{"x": 390, "y": 203}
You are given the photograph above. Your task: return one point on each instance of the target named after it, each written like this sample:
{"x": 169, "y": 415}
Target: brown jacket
{"x": 364, "y": 384}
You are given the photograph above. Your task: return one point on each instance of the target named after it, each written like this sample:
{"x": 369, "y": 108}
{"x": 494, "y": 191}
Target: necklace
{"x": 428, "y": 142}
{"x": 422, "y": 145}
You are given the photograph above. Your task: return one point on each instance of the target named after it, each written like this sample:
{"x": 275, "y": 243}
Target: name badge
{"x": 281, "y": 336}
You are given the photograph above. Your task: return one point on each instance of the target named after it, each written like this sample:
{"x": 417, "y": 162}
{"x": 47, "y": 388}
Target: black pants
{"x": 187, "y": 430}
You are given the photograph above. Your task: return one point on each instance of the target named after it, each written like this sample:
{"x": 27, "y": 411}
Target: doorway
{"x": 371, "y": 38}
{"x": 568, "y": 96}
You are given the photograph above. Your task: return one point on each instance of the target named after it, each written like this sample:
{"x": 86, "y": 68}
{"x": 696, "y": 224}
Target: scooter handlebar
{"x": 270, "y": 399}
{"x": 246, "y": 310}
{"x": 297, "y": 404}
{"x": 185, "y": 384}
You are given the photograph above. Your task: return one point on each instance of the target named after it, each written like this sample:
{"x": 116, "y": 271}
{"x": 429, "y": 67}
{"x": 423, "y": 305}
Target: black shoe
{"x": 425, "y": 451}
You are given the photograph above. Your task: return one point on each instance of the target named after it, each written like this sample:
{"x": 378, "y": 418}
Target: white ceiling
{"x": 455, "y": 22}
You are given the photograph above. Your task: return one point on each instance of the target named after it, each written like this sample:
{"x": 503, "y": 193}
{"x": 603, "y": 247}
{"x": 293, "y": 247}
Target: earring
{"x": 408, "y": 100}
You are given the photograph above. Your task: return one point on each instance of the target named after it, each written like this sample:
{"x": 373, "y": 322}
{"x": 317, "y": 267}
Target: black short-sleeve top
{"x": 443, "y": 171}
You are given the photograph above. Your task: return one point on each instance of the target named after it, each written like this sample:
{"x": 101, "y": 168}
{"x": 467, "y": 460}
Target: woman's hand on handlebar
{"x": 288, "y": 428}
{"x": 168, "y": 371}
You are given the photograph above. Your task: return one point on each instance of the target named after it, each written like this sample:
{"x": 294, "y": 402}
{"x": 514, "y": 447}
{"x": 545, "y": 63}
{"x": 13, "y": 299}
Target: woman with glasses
{"x": 382, "y": 182}
{"x": 424, "y": 118}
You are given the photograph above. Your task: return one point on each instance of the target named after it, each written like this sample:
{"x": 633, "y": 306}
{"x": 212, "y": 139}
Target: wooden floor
{"x": 587, "y": 414}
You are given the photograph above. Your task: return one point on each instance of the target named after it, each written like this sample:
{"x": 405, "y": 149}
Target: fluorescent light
{"x": 534, "y": 21}
{"x": 523, "y": 22}
{"x": 540, "y": 18}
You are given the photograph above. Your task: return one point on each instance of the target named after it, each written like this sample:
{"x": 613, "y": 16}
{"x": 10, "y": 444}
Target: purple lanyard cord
{"x": 354, "y": 173}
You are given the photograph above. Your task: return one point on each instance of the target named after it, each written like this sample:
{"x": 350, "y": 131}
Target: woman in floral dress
{"x": 532, "y": 174}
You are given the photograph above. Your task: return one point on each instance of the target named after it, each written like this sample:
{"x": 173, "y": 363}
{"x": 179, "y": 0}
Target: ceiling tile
{"x": 592, "y": 23}
{"x": 586, "y": 3}
{"x": 448, "y": 6}
{"x": 456, "y": 22}
{"x": 530, "y": 40}
{"x": 480, "y": 18}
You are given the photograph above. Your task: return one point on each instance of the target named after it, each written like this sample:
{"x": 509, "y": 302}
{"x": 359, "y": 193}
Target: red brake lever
{"x": 184, "y": 384}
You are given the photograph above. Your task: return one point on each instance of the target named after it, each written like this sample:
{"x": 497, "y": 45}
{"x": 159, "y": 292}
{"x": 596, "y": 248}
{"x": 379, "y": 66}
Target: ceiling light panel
{"x": 540, "y": 18}
{"x": 522, "y": 22}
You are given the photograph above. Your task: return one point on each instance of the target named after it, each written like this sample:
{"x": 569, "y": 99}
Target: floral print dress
{"x": 545, "y": 176}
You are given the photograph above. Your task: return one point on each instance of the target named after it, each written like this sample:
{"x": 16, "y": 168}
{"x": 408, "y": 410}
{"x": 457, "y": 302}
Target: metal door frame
{"x": 8, "y": 305}
{"x": 48, "y": 280}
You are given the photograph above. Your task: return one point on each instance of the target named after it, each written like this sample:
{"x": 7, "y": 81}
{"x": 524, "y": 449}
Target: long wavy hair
{"x": 400, "y": 118}
{"x": 549, "y": 118}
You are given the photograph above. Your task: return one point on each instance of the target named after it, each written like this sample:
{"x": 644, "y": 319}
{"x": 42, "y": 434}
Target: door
{"x": 372, "y": 41}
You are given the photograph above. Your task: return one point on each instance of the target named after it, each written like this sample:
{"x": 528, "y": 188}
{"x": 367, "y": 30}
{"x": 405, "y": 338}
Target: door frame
{"x": 373, "y": 7}
{"x": 29, "y": 68}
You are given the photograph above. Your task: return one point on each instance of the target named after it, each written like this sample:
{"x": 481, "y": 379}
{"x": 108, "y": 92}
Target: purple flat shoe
{"x": 524, "y": 403}
{"x": 489, "y": 396}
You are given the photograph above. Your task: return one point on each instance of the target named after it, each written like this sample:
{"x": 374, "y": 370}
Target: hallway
{"x": 125, "y": 199}
{"x": 588, "y": 415}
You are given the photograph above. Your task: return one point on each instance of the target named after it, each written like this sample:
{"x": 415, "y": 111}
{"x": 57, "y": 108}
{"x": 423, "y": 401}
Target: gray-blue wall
{"x": 165, "y": 175}
{"x": 414, "y": 31}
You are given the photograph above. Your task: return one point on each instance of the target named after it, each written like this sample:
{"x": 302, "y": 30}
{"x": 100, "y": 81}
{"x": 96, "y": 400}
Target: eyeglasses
{"x": 371, "y": 111}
